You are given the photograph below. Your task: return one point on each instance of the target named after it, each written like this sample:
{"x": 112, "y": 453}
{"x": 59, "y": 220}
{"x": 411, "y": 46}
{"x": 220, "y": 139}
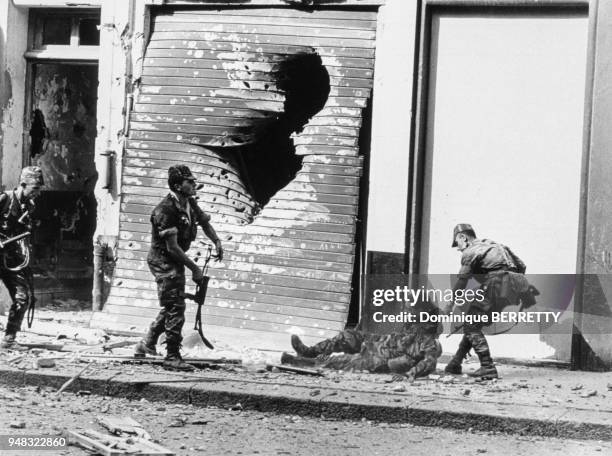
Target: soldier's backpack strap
{"x": 521, "y": 267}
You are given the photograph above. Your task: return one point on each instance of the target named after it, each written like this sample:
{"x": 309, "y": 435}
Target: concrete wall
{"x": 593, "y": 349}
{"x": 390, "y": 153}
{"x": 392, "y": 101}
{"x": 13, "y": 24}
{"x": 115, "y": 47}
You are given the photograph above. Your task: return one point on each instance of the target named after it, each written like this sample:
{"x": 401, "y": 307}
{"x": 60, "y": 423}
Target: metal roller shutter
{"x": 214, "y": 82}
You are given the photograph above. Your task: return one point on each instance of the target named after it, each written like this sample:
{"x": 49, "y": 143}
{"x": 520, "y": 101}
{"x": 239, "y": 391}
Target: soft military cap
{"x": 180, "y": 172}
{"x": 31, "y": 175}
{"x": 460, "y": 228}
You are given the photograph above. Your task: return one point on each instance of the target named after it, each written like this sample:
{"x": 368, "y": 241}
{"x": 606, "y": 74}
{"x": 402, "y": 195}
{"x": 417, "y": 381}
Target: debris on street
{"x": 72, "y": 379}
{"x": 110, "y": 446}
{"x": 122, "y": 426}
{"x": 295, "y": 370}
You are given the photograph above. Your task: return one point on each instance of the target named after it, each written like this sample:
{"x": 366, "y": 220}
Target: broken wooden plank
{"x": 295, "y": 370}
{"x": 233, "y": 361}
{"x": 123, "y": 425}
{"x": 115, "y": 446}
{"x": 72, "y": 379}
{"x": 43, "y": 346}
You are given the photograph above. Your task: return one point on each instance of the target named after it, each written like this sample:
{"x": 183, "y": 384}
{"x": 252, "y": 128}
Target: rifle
{"x": 5, "y": 242}
{"x": 25, "y": 262}
{"x": 199, "y": 296}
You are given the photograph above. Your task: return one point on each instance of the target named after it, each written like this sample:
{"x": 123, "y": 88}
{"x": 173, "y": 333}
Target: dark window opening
{"x": 67, "y": 28}
{"x": 56, "y": 30}
{"x": 89, "y": 35}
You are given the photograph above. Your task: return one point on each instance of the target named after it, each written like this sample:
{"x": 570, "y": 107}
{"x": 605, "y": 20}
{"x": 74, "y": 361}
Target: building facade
{"x": 333, "y": 139}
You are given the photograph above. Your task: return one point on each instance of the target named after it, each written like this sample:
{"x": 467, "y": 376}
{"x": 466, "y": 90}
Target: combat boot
{"x": 298, "y": 361}
{"x": 174, "y": 362}
{"x": 454, "y": 365}
{"x": 142, "y": 349}
{"x": 301, "y": 348}
{"x": 487, "y": 368}
{"x": 9, "y": 343}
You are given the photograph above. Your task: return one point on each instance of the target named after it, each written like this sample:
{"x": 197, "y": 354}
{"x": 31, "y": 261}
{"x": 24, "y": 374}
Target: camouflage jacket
{"x": 169, "y": 217}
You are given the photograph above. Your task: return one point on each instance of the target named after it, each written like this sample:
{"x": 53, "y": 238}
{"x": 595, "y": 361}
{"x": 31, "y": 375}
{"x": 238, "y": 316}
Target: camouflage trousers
{"x": 21, "y": 289}
{"x": 356, "y": 352}
{"x": 347, "y": 341}
{"x": 364, "y": 361}
{"x": 171, "y": 318}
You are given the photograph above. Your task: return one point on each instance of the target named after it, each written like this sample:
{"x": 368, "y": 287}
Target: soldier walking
{"x": 501, "y": 275}
{"x": 174, "y": 225}
{"x": 16, "y": 208}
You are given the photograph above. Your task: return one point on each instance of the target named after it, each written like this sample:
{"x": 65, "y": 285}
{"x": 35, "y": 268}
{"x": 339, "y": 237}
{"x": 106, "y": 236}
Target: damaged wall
{"x": 13, "y": 23}
{"x": 219, "y": 90}
{"x": 64, "y": 102}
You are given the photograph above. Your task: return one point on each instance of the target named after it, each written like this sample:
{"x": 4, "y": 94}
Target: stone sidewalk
{"x": 526, "y": 400}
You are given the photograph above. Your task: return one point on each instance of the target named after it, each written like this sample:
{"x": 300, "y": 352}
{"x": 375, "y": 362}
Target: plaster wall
{"x": 115, "y": 46}
{"x": 392, "y": 101}
{"x": 13, "y": 24}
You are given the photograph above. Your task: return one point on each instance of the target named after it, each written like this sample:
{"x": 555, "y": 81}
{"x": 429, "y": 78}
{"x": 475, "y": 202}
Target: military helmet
{"x": 461, "y": 228}
{"x": 31, "y": 175}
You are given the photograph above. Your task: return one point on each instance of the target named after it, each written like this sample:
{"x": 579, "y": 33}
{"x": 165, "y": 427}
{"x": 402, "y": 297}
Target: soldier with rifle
{"x": 16, "y": 208}
{"x": 174, "y": 225}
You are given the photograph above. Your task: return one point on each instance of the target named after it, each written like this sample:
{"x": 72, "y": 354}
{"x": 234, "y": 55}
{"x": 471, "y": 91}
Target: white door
{"x": 504, "y": 143}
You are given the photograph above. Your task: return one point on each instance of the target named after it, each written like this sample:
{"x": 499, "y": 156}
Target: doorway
{"x": 62, "y": 133}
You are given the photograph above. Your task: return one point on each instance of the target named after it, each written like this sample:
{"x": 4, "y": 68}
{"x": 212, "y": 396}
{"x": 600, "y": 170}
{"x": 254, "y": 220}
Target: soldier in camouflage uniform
{"x": 501, "y": 275}
{"x": 15, "y": 209}
{"x": 411, "y": 353}
{"x": 174, "y": 225}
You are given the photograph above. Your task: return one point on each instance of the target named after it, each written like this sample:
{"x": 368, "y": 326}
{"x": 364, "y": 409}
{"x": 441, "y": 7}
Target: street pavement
{"x": 528, "y": 404}
{"x": 189, "y": 430}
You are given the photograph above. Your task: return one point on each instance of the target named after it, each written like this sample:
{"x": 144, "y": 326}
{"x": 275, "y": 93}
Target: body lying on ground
{"x": 411, "y": 353}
